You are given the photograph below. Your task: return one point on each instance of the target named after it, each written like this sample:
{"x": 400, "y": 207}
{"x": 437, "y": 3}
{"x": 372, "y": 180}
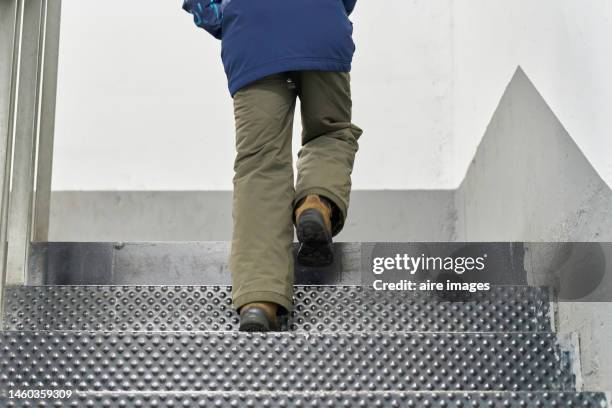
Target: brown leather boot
{"x": 258, "y": 317}
{"x": 314, "y": 231}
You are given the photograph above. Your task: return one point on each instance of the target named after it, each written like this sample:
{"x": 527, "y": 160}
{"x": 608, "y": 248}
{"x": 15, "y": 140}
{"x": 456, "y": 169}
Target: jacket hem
{"x": 282, "y": 299}
{"x": 292, "y": 64}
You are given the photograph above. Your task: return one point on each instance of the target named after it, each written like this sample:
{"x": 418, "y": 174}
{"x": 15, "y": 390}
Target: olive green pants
{"x": 261, "y": 256}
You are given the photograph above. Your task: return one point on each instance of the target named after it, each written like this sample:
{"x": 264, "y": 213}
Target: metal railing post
{"x": 48, "y": 89}
{"x": 26, "y": 124}
{"x": 9, "y": 26}
{"x": 29, "y": 45}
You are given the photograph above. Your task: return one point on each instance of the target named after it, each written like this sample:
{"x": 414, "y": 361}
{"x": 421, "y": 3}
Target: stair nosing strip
{"x": 300, "y": 332}
{"x": 332, "y": 393}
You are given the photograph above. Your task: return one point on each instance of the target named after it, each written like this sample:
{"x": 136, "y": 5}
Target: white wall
{"x": 143, "y": 104}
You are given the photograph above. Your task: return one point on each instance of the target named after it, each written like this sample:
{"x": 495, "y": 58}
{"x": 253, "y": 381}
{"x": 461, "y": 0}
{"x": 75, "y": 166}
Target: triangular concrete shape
{"x": 528, "y": 180}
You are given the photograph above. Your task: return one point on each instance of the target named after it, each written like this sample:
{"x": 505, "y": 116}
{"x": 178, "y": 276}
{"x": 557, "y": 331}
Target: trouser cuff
{"x": 264, "y": 296}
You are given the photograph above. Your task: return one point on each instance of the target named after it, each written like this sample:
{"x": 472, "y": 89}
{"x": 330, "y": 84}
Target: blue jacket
{"x": 265, "y": 37}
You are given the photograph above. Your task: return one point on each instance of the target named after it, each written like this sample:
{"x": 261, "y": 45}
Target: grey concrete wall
{"x": 529, "y": 181}
{"x": 206, "y": 216}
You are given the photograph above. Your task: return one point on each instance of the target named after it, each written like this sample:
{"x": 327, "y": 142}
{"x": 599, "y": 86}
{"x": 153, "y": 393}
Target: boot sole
{"x": 253, "y": 327}
{"x": 315, "y": 241}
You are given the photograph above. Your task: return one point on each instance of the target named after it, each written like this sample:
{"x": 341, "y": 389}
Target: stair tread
{"x": 317, "y": 308}
{"x": 234, "y": 361}
{"x": 334, "y": 399}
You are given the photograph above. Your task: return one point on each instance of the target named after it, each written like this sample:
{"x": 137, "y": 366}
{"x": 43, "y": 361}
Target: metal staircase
{"x": 151, "y": 325}
{"x": 142, "y": 345}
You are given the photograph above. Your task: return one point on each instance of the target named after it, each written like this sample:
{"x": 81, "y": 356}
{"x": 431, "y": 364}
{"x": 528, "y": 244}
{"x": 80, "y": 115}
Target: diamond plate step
{"x": 284, "y": 362}
{"x": 332, "y": 400}
{"x": 317, "y": 308}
